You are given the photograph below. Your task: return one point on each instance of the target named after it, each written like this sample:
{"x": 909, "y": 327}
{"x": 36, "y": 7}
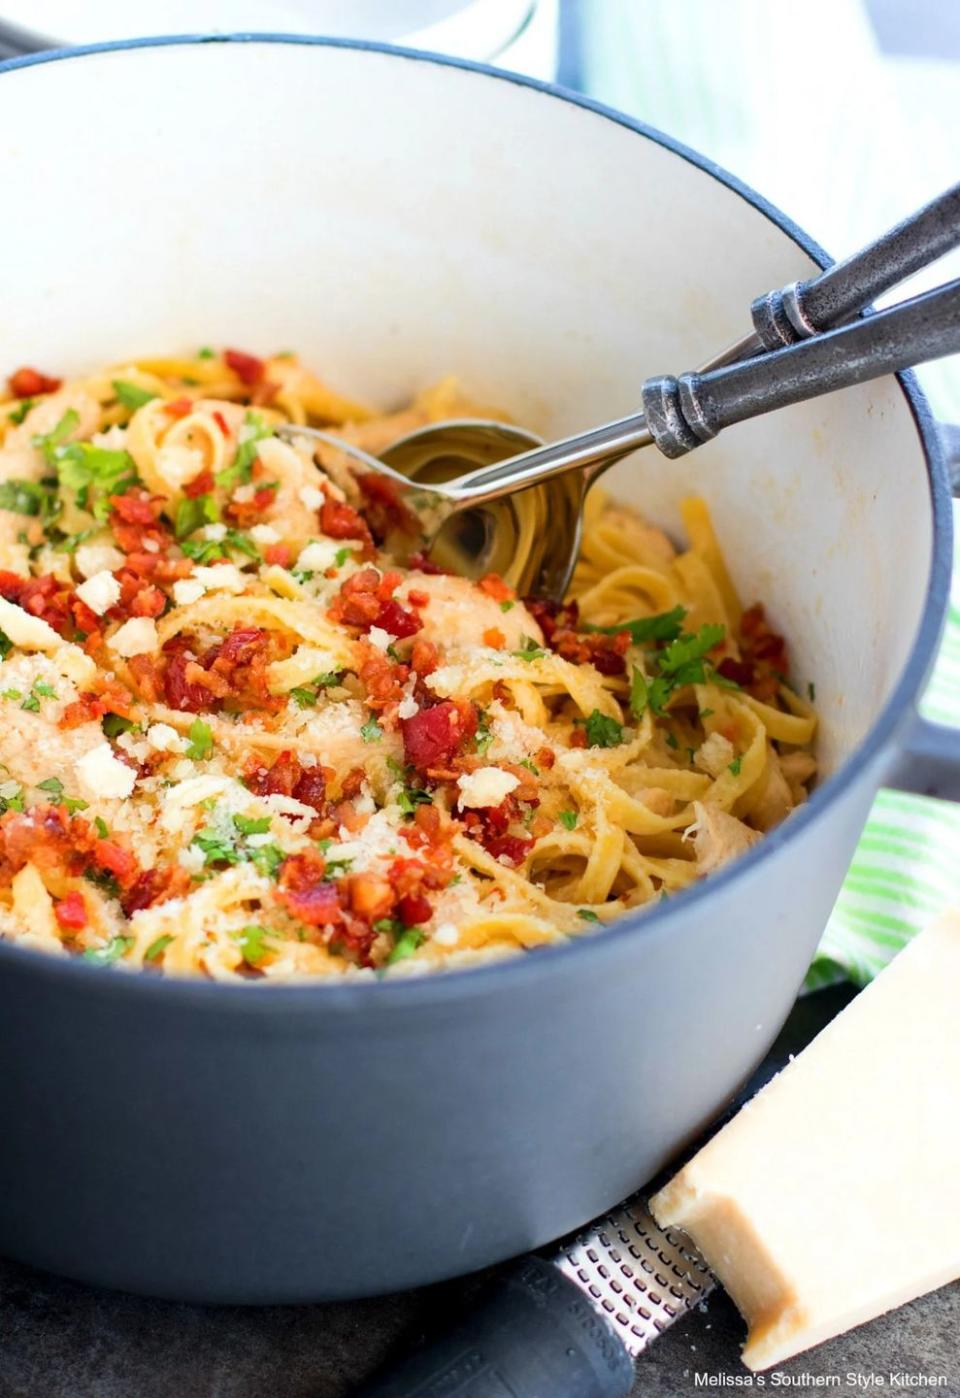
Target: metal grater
{"x": 639, "y": 1276}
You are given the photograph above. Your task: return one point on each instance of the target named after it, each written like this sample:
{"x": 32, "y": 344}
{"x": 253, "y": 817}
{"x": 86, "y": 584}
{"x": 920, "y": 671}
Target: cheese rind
{"x": 835, "y": 1194}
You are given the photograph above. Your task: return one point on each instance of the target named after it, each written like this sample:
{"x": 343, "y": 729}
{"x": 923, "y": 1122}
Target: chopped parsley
{"x": 115, "y": 724}
{"x": 341, "y": 556}
{"x": 602, "y": 732}
{"x": 530, "y": 766}
{"x": 306, "y": 696}
{"x": 49, "y": 442}
{"x": 371, "y": 732}
{"x": 131, "y": 395}
{"x": 529, "y": 650}
{"x": 568, "y": 819}
{"x": 587, "y": 914}
{"x": 53, "y": 787}
{"x": 12, "y": 694}
{"x": 211, "y": 550}
{"x": 411, "y": 797}
{"x": 242, "y": 469}
{"x": 103, "y": 829}
{"x": 735, "y": 765}
{"x": 20, "y": 412}
{"x": 406, "y": 944}
{"x": 252, "y": 825}
{"x": 201, "y": 741}
{"x": 31, "y": 704}
{"x": 664, "y": 626}
{"x": 11, "y": 798}
{"x": 26, "y": 497}
{"x": 683, "y": 661}
{"x": 92, "y": 473}
{"x": 251, "y": 941}
{"x": 205, "y": 352}
{"x": 812, "y": 691}
{"x": 483, "y": 736}
{"x": 46, "y": 691}
{"x": 105, "y": 956}
{"x": 705, "y": 713}
{"x": 225, "y": 847}
{"x": 507, "y": 606}
{"x": 156, "y": 948}
{"x": 193, "y": 513}
{"x": 6, "y": 646}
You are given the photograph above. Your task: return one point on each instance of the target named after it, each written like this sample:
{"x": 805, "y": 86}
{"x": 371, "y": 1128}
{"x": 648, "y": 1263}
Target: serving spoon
{"x": 503, "y": 517}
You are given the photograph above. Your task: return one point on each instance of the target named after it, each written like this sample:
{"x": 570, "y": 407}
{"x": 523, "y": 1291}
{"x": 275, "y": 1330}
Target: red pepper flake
{"x": 27, "y": 383}
{"x": 221, "y": 422}
{"x": 178, "y": 407}
{"x": 247, "y": 367}
{"x": 71, "y": 911}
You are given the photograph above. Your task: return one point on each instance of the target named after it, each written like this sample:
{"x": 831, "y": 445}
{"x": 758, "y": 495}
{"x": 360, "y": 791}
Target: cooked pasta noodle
{"x": 238, "y": 741}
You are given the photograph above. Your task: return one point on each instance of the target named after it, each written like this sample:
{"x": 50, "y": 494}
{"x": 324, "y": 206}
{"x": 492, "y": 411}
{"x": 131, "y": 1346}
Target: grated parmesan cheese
{"x": 138, "y": 636}
{"x": 488, "y": 786}
{"x": 103, "y": 774}
{"x": 28, "y": 632}
{"x": 100, "y": 592}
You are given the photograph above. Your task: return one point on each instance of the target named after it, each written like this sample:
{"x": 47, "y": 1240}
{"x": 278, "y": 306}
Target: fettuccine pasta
{"x": 238, "y": 741}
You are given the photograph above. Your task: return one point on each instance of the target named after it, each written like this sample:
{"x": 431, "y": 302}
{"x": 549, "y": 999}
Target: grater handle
{"x": 535, "y": 1334}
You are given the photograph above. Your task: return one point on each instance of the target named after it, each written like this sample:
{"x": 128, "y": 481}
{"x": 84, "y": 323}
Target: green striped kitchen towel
{"x": 723, "y": 78}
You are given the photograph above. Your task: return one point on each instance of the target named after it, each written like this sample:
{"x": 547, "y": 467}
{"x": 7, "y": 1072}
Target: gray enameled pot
{"x": 395, "y": 216}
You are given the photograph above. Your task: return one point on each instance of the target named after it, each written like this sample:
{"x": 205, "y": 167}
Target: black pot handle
{"x": 534, "y": 1336}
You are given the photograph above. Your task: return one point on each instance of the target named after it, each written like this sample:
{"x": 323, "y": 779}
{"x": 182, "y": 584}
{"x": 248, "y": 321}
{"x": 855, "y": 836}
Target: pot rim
{"x": 511, "y": 973}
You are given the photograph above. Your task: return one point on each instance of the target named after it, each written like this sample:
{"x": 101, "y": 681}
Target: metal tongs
{"x": 502, "y": 517}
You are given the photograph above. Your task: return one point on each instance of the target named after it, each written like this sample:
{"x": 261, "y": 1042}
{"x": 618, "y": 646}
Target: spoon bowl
{"x": 439, "y": 504}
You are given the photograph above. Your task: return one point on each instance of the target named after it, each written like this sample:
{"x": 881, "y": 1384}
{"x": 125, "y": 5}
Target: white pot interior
{"x": 395, "y": 220}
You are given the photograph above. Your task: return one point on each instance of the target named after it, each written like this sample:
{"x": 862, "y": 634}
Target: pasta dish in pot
{"x": 238, "y": 741}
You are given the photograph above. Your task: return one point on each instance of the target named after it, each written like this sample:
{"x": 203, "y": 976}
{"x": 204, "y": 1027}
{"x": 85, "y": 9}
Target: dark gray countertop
{"x": 59, "y": 1339}
{"x": 62, "y": 1340}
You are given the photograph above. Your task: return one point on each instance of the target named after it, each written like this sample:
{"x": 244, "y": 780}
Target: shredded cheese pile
{"x": 237, "y": 741}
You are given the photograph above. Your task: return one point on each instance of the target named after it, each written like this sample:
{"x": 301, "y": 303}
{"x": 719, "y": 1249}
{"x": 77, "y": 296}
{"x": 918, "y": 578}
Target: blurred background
{"x": 841, "y": 112}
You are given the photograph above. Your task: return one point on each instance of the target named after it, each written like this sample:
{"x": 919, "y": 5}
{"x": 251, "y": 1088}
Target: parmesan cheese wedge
{"x": 834, "y": 1195}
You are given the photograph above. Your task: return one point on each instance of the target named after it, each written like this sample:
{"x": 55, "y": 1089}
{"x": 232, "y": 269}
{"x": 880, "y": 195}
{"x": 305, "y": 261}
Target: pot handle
{"x": 533, "y": 1334}
{"x": 927, "y": 757}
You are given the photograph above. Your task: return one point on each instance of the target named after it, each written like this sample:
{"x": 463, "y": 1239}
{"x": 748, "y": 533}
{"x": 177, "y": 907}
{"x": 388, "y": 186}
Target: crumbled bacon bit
{"x": 135, "y": 519}
{"x": 370, "y": 897}
{"x": 28, "y": 383}
{"x": 90, "y": 705}
{"x": 280, "y": 555}
{"x": 204, "y": 483}
{"x": 304, "y": 891}
{"x": 433, "y": 736}
{"x": 382, "y": 678}
{"x": 384, "y": 510}
{"x": 764, "y": 661}
{"x": 154, "y": 886}
{"x": 62, "y": 846}
{"x": 286, "y": 777}
{"x": 396, "y": 620}
{"x": 494, "y": 586}
{"x": 414, "y": 909}
{"x": 424, "y": 657}
{"x": 420, "y": 563}
{"x": 247, "y": 367}
{"x": 339, "y": 520}
{"x": 71, "y": 911}
{"x": 417, "y": 598}
{"x": 545, "y": 758}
